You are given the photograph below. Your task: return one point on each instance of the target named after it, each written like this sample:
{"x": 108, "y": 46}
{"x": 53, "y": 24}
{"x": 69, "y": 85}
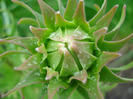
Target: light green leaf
{"x": 107, "y": 75}
{"x": 114, "y": 46}
{"x": 97, "y": 7}
{"x": 70, "y": 9}
{"x": 48, "y": 15}
{"x": 43, "y": 90}
{"x": 32, "y": 62}
{"x": 32, "y": 78}
{"x": 31, "y": 45}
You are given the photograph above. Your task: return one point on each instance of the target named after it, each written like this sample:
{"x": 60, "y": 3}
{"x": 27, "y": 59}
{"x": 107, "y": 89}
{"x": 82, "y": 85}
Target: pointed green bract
{"x": 111, "y": 35}
{"x": 100, "y": 13}
{"x": 41, "y": 33}
{"x": 70, "y": 10}
{"x": 103, "y": 59}
{"x": 114, "y": 46}
{"x": 96, "y": 7}
{"x": 79, "y": 16}
{"x": 105, "y": 20}
{"x": 48, "y": 14}
{"x": 107, "y": 76}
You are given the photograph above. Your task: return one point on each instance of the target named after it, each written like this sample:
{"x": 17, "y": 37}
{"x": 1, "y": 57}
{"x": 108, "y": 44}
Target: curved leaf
{"x": 114, "y": 46}
{"x": 28, "y": 21}
{"x": 43, "y": 90}
{"x": 48, "y": 14}
{"x": 39, "y": 17}
{"x": 122, "y": 68}
{"x": 111, "y": 35}
{"x": 97, "y": 7}
{"x": 107, "y": 75}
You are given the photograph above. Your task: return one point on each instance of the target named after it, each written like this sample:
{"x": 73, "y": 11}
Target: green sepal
{"x": 103, "y": 59}
{"x": 48, "y": 15}
{"x": 29, "y": 21}
{"x": 81, "y": 76}
{"x": 122, "y": 68}
{"x": 39, "y": 17}
{"x": 105, "y": 20}
{"x": 50, "y": 73}
{"x": 66, "y": 93}
{"x": 54, "y": 59}
{"x": 43, "y": 91}
{"x": 52, "y": 46}
{"x": 70, "y": 10}
{"x": 69, "y": 66}
{"x": 106, "y": 75}
{"x": 31, "y": 45}
{"x": 32, "y": 62}
{"x": 61, "y": 7}
{"x": 32, "y": 78}
{"x": 114, "y": 46}
{"x": 42, "y": 50}
{"x": 41, "y": 33}
{"x": 100, "y": 13}
{"x": 54, "y": 86}
{"x": 7, "y": 53}
{"x": 83, "y": 92}
{"x": 62, "y": 23}
{"x": 79, "y": 17}
{"x": 92, "y": 86}
{"x": 111, "y": 35}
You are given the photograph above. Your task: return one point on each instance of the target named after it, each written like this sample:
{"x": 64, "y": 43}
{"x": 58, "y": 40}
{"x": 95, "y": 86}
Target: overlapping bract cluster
{"x": 70, "y": 52}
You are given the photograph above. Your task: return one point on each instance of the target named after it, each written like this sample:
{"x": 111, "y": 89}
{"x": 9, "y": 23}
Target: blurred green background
{"x": 10, "y": 14}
